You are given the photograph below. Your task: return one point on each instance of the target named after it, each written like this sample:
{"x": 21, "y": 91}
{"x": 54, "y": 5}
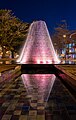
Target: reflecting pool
{"x": 38, "y": 85}
{"x": 36, "y": 97}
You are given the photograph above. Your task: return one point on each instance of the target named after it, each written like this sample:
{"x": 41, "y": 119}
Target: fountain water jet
{"x": 38, "y": 48}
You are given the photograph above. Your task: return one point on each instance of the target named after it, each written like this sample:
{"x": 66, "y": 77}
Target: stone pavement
{"x": 9, "y": 71}
{"x": 70, "y": 71}
{"x": 19, "y": 100}
{"x": 4, "y": 67}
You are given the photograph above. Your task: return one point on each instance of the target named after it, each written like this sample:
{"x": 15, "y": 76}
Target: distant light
{"x": 4, "y": 46}
{"x": 64, "y": 36}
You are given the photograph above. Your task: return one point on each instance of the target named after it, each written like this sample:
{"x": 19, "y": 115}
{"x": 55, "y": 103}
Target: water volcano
{"x": 38, "y": 48}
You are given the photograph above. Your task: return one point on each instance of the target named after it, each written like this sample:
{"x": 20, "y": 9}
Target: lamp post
{"x": 64, "y": 36}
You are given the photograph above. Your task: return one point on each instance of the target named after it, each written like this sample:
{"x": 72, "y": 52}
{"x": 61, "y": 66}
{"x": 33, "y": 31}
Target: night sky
{"x": 51, "y": 11}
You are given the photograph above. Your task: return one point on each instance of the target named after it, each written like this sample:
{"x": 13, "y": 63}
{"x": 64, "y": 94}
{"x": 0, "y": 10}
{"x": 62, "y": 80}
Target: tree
{"x": 61, "y": 36}
{"x": 12, "y": 31}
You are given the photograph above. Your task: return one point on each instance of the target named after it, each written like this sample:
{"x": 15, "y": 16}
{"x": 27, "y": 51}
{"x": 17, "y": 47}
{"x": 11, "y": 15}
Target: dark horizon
{"x": 52, "y": 12}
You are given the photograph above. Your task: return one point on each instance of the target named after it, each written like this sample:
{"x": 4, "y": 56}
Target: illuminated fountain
{"x": 38, "y": 48}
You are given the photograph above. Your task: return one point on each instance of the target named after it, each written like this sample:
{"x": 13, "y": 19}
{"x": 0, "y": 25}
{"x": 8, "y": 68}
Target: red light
{"x": 46, "y": 62}
{"x": 41, "y": 62}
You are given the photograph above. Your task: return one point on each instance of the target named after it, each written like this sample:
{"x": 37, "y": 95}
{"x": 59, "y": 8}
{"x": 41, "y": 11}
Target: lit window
{"x": 69, "y": 50}
{"x": 69, "y": 45}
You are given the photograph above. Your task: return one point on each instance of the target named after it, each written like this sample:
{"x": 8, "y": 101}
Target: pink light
{"x": 44, "y": 62}
{"x": 38, "y": 48}
{"x": 49, "y": 62}
{"x": 41, "y": 62}
{"x": 42, "y": 82}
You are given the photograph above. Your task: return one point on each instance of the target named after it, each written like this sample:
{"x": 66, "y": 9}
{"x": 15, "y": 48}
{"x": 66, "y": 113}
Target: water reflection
{"x": 38, "y": 85}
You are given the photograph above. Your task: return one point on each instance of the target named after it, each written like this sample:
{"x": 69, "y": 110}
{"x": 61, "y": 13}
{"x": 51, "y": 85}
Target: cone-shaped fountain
{"x": 38, "y": 48}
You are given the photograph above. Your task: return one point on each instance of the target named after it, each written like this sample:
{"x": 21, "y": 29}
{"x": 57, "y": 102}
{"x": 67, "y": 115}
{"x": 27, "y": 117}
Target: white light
{"x": 49, "y": 61}
{"x": 38, "y": 61}
{"x": 44, "y": 61}
{"x": 64, "y": 36}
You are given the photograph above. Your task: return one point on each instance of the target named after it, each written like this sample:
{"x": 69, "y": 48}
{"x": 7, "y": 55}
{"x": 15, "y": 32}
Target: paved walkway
{"x": 9, "y": 71}
{"x": 6, "y": 67}
{"x": 69, "y": 70}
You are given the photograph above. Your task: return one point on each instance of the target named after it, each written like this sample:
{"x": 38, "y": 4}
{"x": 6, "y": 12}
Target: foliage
{"x": 12, "y": 30}
{"x": 61, "y": 36}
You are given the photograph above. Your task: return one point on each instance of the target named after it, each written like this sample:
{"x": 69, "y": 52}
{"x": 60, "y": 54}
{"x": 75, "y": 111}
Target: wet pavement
{"x": 36, "y": 97}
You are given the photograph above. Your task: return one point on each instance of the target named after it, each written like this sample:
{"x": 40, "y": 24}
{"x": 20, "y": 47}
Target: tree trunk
{"x": 12, "y": 53}
{"x": 4, "y": 52}
{"x": 3, "y": 55}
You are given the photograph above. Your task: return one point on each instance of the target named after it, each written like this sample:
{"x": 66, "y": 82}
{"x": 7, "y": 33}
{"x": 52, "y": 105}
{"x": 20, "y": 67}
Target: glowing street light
{"x": 64, "y": 36}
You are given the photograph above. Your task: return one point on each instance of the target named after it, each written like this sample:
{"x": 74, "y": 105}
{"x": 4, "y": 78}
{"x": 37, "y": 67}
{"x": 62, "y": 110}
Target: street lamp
{"x": 64, "y": 36}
